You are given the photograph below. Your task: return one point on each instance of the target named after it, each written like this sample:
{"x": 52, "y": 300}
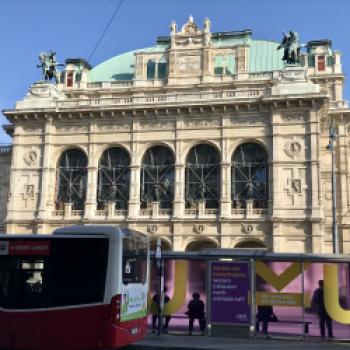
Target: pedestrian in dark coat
{"x": 265, "y": 315}
{"x": 196, "y": 311}
{"x": 324, "y": 318}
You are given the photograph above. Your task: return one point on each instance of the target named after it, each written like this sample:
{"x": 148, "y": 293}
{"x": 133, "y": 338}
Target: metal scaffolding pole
{"x": 331, "y": 146}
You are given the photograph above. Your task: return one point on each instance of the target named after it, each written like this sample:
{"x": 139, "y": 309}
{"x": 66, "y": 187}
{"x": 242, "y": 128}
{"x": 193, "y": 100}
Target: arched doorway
{"x": 198, "y": 245}
{"x": 251, "y": 245}
{"x": 165, "y": 245}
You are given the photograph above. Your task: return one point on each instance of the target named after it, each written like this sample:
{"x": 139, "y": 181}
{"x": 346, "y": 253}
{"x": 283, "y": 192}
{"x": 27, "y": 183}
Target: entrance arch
{"x": 198, "y": 245}
{"x": 165, "y": 245}
{"x": 251, "y": 245}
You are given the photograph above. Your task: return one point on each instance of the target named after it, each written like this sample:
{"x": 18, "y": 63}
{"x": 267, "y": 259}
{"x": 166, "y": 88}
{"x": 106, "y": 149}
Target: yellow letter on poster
{"x": 179, "y": 296}
{"x": 331, "y": 295}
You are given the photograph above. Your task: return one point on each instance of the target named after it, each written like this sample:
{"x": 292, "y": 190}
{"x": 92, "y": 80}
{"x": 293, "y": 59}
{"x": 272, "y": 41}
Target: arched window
{"x": 157, "y": 177}
{"x": 114, "y": 178}
{"x": 71, "y": 179}
{"x": 203, "y": 176}
{"x": 249, "y": 176}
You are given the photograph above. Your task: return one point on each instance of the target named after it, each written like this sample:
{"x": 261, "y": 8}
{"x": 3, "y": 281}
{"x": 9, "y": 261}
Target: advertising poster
{"x": 230, "y": 286}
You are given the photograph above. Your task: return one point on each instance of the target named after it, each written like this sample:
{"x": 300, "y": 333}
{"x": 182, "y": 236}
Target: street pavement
{"x": 179, "y": 341}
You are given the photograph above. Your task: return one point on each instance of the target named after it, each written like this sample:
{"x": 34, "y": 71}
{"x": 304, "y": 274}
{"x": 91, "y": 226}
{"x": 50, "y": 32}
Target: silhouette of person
{"x": 265, "y": 315}
{"x": 155, "y": 316}
{"x": 196, "y": 311}
{"x": 324, "y": 318}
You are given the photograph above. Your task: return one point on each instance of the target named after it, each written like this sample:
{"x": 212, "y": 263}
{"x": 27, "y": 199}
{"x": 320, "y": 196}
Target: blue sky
{"x": 72, "y": 28}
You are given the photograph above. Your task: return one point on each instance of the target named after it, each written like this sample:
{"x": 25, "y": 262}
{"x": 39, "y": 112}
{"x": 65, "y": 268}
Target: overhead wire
{"x": 106, "y": 29}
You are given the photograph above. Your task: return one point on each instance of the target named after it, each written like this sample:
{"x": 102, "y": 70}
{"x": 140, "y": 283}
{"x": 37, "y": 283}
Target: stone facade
{"x": 199, "y": 101}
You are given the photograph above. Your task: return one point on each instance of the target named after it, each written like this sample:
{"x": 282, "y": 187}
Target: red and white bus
{"x": 84, "y": 287}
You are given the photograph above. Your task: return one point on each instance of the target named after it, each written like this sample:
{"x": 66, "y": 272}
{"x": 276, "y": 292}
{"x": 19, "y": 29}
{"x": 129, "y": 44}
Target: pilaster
{"x": 134, "y": 192}
{"x": 314, "y": 185}
{"x": 92, "y": 173}
{"x": 45, "y": 207}
{"x": 179, "y": 201}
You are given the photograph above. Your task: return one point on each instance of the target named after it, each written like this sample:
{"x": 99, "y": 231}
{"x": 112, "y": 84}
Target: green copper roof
{"x": 263, "y": 57}
{"x": 120, "y": 67}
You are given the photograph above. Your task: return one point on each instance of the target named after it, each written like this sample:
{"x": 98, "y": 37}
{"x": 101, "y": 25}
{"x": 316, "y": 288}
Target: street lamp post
{"x": 160, "y": 286}
{"x": 331, "y": 146}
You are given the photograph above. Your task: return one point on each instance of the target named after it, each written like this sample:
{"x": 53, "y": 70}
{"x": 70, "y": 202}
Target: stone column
{"x": 180, "y": 177}
{"x": 134, "y": 192}
{"x": 225, "y": 197}
{"x": 14, "y": 178}
{"x": 342, "y": 168}
{"x": 275, "y": 181}
{"x": 92, "y": 173}
{"x": 45, "y": 205}
{"x": 278, "y": 241}
{"x": 91, "y": 193}
{"x": 313, "y": 185}
{"x": 179, "y": 198}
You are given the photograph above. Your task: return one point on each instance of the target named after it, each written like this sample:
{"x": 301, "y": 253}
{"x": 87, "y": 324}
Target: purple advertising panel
{"x": 230, "y": 286}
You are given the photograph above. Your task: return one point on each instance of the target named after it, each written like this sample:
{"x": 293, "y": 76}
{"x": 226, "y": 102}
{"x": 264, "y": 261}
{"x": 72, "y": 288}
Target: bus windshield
{"x": 134, "y": 259}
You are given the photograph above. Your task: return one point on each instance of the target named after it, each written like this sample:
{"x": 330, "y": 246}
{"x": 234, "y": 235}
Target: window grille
{"x": 203, "y": 176}
{"x": 249, "y": 176}
{"x": 114, "y": 178}
{"x": 71, "y": 179}
{"x": 157, "y": 177}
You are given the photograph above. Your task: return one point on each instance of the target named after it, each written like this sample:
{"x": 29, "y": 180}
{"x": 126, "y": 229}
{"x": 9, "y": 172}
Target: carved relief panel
{"x": 294, "y": 186}
{"x": 31, "y": 157}
{"x": 294, "y": 148}
{"x": 28, "y": 191}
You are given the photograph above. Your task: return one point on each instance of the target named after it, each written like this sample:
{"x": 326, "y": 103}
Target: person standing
{"x": 265, "y": 315}
{"x": 196, "y": 311}
{"x": 324, "y": 318}
{"x": 155, "y": 316}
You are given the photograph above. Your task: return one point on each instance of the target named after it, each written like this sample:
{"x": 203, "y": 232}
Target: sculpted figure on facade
{"x": 173, "y": 28}
{"x": 290, "y": 44}
{"x": 48, "y": 65}
{"x": 206, "y": 30}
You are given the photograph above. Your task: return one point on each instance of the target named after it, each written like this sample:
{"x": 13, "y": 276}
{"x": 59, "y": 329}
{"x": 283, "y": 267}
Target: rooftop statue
{"x": 290, "y": 44}
{"x": 48, "y": 65}
{"x": 207, "y": 25}
{"x": 173, "y": 28}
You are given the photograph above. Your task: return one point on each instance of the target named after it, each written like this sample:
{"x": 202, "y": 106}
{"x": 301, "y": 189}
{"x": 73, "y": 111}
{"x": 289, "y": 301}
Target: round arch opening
{"x": 196, "y": 246}
{"x": 251, "y": 245}
{"x": 165, "y": 245}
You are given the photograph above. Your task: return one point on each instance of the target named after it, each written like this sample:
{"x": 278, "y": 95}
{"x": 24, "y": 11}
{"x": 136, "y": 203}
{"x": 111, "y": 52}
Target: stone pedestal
{"x": 41, "y": 94}
{"x": 293, "y": 80}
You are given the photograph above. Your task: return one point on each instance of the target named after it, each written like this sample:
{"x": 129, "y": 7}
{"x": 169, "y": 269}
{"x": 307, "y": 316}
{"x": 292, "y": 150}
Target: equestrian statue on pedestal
{"x": 291, "y": 46}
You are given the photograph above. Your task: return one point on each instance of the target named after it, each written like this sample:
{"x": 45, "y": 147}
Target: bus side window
{"x": 134, "y": 260}
{"x": 31, "y": 279}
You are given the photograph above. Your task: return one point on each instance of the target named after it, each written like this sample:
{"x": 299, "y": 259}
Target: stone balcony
{"x": 162, "y": 99}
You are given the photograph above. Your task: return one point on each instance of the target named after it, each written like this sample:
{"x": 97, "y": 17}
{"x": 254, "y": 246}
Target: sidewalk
{"x": 176, "y": 341}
